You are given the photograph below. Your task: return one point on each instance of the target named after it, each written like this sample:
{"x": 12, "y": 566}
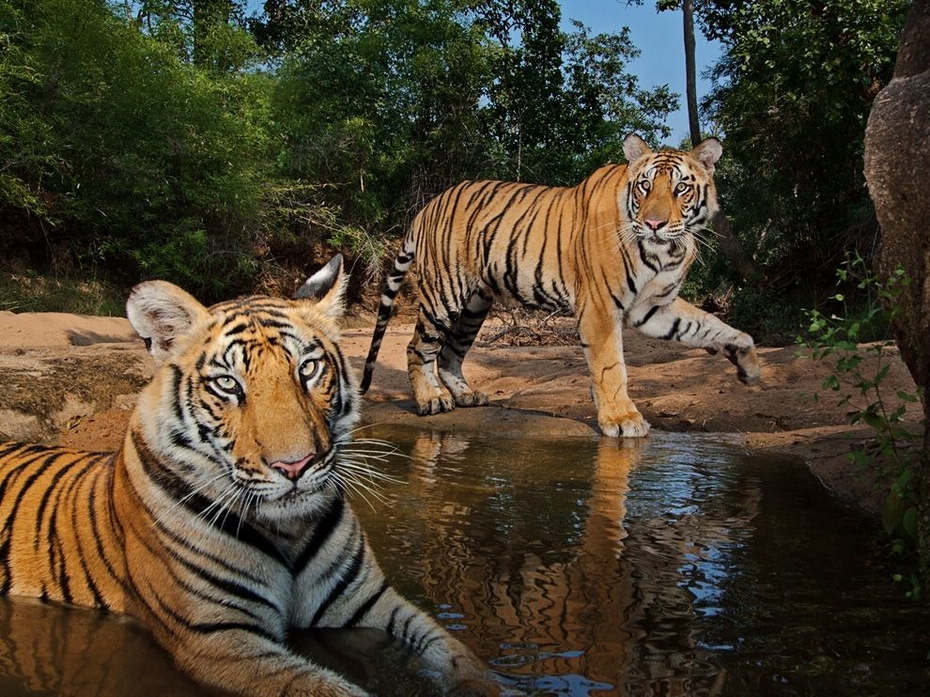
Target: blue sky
{"x": 658, "y": 35}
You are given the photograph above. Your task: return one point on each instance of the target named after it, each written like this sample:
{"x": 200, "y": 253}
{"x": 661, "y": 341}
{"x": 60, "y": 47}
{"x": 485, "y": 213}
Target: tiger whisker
{"x": 244, "y": 510}
{"x": 370, "y": 472}
{"x": 227, "y": 500}
{"x": 362, "y": 462}
{"x": 351, "y": 485}
{"x": 374, "y": 441}
{"x": 218, "y": 501}
{"x": 357, "y": 476}
{"x": 359, "y": 428}
{"x": 374, "y": 454}
{"x": 163, "y": 515}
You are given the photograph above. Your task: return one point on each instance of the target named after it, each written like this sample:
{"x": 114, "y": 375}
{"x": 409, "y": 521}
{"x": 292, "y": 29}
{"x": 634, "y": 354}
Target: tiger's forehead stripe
{"x": 248, "y": 328}
{"x": 665, "y": 162}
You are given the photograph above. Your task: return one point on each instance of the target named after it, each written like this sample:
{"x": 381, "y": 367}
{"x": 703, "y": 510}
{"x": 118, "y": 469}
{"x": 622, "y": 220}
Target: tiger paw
{"x": 629, "y": 425}
{"x": 436, "y": 402}
{"x": 325, "y": 684}
{"x": 471, "y": 399}
{"x": 748, "y": 367}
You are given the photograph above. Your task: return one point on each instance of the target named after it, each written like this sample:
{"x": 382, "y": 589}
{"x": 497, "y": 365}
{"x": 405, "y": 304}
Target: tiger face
{"x": 253, "y": 396}
{"x": 669, "y": 194}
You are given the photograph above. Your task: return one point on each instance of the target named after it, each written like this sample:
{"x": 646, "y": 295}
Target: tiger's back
{"x": 509, "y": 239}
{"x": 58, "y": 531}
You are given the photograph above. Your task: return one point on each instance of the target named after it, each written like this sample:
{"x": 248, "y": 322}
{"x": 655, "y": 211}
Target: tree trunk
{"x": 897, "y": 149}
{"x": 687, "y": 12}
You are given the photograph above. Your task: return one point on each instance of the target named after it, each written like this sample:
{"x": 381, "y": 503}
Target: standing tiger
{"x": 614, "y": 249}
{"x": 222, "y": 522}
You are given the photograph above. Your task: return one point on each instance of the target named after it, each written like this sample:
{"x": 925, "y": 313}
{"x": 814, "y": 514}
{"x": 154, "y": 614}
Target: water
{"x": 577, "y": 568}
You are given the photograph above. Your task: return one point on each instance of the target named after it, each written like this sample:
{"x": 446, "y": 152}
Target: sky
{"x": 658, "y": 35}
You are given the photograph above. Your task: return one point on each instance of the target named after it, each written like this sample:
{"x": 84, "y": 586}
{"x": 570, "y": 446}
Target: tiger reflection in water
{"x": 584, "y": 598}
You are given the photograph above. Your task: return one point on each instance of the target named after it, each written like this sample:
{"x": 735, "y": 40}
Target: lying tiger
{"x": 614, "y": 250}
{"x": 222, "y": 522}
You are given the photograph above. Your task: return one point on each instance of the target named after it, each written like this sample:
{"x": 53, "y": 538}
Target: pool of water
{"x": 578, "y": 568}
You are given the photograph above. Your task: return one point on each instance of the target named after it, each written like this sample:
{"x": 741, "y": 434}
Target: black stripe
{"x": 230, "y": 587}
{"x": 211, "y": 627}
{"x": 647, "y": 316}
{"x": 347, "y": 578}
{"x": 321, "y": 533}
{"x": 390, "y": 625}
{"x": 366, "y": 606}
{"x": 671, "y": 332}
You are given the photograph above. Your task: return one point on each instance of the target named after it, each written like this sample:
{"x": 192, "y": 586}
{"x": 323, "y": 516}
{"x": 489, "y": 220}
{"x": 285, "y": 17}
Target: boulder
{"x": 59, "y": 370}
{"x": 897, "y": 154}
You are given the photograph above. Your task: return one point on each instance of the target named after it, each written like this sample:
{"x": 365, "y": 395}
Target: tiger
{"x": 222, "y": 521}
{"x": 614, "y": 250}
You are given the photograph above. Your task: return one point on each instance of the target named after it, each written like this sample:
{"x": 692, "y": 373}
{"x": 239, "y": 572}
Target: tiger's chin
{"x": 296, "y": 503}
{"x": 663, "y": 238}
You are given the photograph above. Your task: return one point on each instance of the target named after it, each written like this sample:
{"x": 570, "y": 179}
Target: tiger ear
{"x": 708, "y": 152}
{"x": 327, "y": 288}
{"x": 163, "y": 315}
{"x": 634, "y": 148}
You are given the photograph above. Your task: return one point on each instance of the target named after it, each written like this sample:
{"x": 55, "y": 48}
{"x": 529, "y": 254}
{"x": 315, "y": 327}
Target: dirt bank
{"x": 71, "y": 379}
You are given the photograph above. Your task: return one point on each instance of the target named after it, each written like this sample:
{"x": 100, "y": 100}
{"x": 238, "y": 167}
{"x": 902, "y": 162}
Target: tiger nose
{"x": 654, "y": 224}
{"x": 293, "y": 470}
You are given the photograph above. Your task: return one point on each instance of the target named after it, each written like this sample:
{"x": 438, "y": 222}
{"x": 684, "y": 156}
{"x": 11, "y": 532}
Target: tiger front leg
{"x": 458, "y": 671}
{"x": 602, "y": 341}
{"x": 432, "y": 397}
{"x": 240, "y": 662}
{"x": 682, "y": 321}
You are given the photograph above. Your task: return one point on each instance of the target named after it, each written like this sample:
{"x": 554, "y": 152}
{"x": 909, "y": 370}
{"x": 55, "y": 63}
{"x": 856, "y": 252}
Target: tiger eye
{"x": 309, "y": 368}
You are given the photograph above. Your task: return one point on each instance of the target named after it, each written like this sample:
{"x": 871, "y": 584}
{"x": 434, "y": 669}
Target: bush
{"x": 894, "y": 450}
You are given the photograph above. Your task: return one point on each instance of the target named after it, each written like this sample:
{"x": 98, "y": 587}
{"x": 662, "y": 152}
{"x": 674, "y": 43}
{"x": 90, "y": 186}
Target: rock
{"x": 57, "y": 370}
{"x": 897, "y": 150}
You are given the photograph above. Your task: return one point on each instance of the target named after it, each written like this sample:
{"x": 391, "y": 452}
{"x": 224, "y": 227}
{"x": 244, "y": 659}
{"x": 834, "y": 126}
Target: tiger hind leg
{"x": 432, "y": 397}
{"x": 457, "y": 344}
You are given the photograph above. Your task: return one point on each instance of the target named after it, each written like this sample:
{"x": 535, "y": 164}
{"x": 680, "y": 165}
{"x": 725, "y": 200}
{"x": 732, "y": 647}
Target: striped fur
{"x": 614, "y": 249}
{"x": 222, "y": 522}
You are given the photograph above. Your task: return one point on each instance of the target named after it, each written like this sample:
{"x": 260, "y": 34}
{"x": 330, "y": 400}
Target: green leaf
{"x": 892, "y": 513}
{"x": 874, "y": 420}
{"x": 909, "y": 522}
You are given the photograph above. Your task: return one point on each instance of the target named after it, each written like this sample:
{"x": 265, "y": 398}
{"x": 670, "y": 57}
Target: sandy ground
{"x": 72, "y": 379}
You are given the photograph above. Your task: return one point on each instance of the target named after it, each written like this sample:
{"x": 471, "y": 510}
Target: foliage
{"x": 175, "y": 138}
{"x": 792, "y": 94}
{"x": 858, "y": 372}
{"x": 127, "y": 157}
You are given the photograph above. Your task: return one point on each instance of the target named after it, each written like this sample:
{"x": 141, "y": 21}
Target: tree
{"x": 792, "y": 93}
{"x": 125, "y": 157}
